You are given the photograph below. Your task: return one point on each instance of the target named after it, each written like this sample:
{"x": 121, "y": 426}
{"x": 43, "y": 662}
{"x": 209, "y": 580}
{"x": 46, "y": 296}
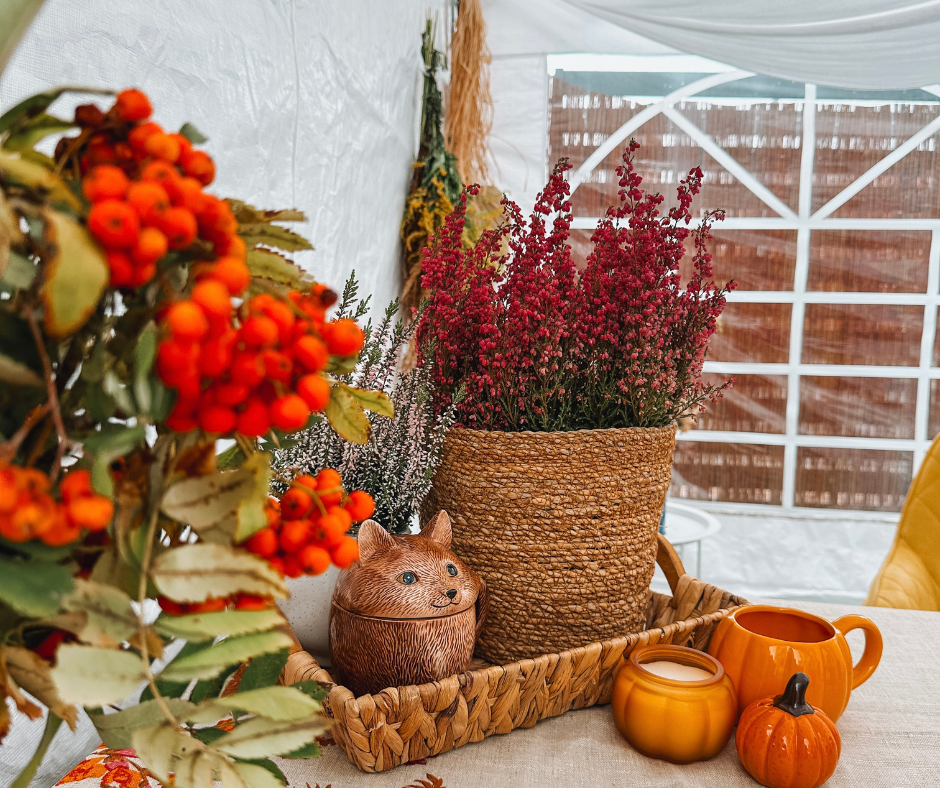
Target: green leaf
{"x": 164, "y": 749}
{"x": 20, "y": 272}
{"x": 38, "y": 128}
{"x": 34, "y": 675}
{"x": 312, "y": 689}
{"x": 206, "y": 688}
{"x": 211, "y": 660}
{"x": 193, "y": 134}
{"x": 208, "y": 735}
{"x": 34, "y": 588}
{"x": 342, "y": 365}
{"x": 263, "y": 671}
{"x": 231, "y": 503}
{"x": 272, "y": 235}
{"x": 273, "y": 703}
{"x": 206, "y": 626}
{"x": 266, "y": 264}
{"x": 94, "y": 676}
{"x": 248, "y": 214}
{"x": 76, "y": 276}
{"x": 173, "y": 689}
{"x": 17, "y": 170}
{"x": 18, "y": 374}
{"x": 346, "y": 416}
{"x": 111, "y": 442}
{"x": 9, "y": 230}
{"x": 36, "y": 105}
{"x": 111, "y": 619}
{"x": 144, "y": 354}
{"x": 231, "y": 458}
{"x": 116, "y": 729}
{"x": 257, "y": 774}
{"x": 376, "y": 401}
{"x": 260, "y": 737}
{"x": 311, "y": 750}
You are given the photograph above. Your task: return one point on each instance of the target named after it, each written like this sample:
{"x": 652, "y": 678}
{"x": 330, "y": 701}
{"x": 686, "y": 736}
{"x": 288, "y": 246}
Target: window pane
{"x": 733, "y": 472}
{"x": 862, "y": 479}
{"x": 752, "y": 332}
{"x": 858, "y": 407}
{"x": 755, "y": 259}
{"x": 755, "y": 403}
{"x": 850, "y": 139}
{"x": 933, "y": 421}
{"x": 868, "y": 261}
{"x": 870, "y": 334}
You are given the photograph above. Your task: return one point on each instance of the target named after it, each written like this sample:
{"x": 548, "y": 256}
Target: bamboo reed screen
{"x": 759, "y": 123}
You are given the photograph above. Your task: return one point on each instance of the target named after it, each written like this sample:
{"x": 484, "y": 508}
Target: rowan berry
{"x": 277, "y": 366}
{"x": 212, "y": 604}
{"x": 93, "y": 512}
{"x": 151, "y": 246}
{"x": 329, "y": 486}
{"x": 34, "y": 518}
{"x": 177, "y": 361}
{"x": 259, "y": 332}
{"x": 314, "y": 559}
{"x": 199, "y": 165}
{"x": 295, "y": 504}
{"x": 137, "y": 136}
{"x": 294, "y": 534}
{"x": 217, "y": 354}
{"x": 133, "y": 105}
{"x": 189, "y": 195}
{"x": 344, "y": 337}
{"x": 181, "y": 421}
{"x": 252, "y": 602}
{"x": 233, "y": 273}
{"x": 231, "y": 246}
{"x": 216, "y": 218}
{"x": 161, "y": 172}
{"x": 263, "y": 543}
{"x": 105, "y": 182}
{"x": 247, "y": 367}
{"x": 309, "y": 482}
{"x": 214, "y": 299}
{"x": 277, "y": 564}
{"x": 143, "y": 274}
{"x": 61, "y": 534}
{"x": 149, "y": 201}
{"x": 346, "y": 553}
{"x": 180, "y": 227}
{"x": 88, "y": 116}
{"x": 184, "y": 143}
{"x": 342, "y": 514}
{"x": 360, "y": 506}
{"x": 187, "y": 321}
{"x": 282, "y": 315}
{"x": 292, "y": 566}
{"x": 217, "y": 419}
{"x": 114, "y": 223}
{"x": 75, "y": 484}
{"x": 122, "y": 270}
{"x": 329, "y": 531}
{"x": 289, "y": 413}
{"x": 229, "y": 394}
{"x": 100, "y": 152}
{"x": 314, "y": 390}
{"x": 32, "y": 480}
{"x": 311, "y": 352}
{"x": 162, "y": 146}
{"x": 170, "y": 607}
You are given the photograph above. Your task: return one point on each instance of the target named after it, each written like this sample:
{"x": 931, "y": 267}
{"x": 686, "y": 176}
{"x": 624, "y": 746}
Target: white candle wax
{"x": 676, "y": 670}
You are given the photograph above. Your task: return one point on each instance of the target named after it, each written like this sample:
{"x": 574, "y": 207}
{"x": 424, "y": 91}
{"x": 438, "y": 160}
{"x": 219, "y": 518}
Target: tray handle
{"x": 301, "y": 666}
{"x": 669, "y": 561}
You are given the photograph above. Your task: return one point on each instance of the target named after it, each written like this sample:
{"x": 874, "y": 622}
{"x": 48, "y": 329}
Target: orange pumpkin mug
{"x": 762, "y": 646}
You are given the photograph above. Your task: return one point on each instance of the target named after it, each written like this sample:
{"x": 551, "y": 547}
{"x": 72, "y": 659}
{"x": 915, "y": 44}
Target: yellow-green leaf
{"x": 19, "y": 374}
{"x": 274, "y": 703}
{"x": 116, "y": 729}
{"x": 34, "y": 675}
{"x": 20, "y": 272}
{"x": 206, "y": 626}
{"x": 260, "y": 737}
{"x": 93, "y": 676}
{"x": 212, "y": 660}
{"x": 111, "y": 619}
{"x": 40, "y": 102}
{"x": 75, "y": 277}
{"x": 248, "y": 214}
{"x": 164, "y": 749}
{"x": 272, "y": 235}
{"x": 35, "y": 130}
{"x": 267, "y": 264}
{"x": 17, "y": 170}
{"x": 376, "y": 401}
{"x": 8, "y": 231}
{"x": 250, "y": 775}
{"x": 33, "y": 588}
{"x": 346, "y": 416}
{"x": 192, "y": 573}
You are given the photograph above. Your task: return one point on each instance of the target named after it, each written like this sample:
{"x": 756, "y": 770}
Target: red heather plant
{"x": 539, "y": 346}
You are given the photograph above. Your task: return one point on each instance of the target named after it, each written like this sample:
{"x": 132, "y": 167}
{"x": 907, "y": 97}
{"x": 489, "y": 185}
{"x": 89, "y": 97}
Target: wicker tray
{"x": 401, "y": 724}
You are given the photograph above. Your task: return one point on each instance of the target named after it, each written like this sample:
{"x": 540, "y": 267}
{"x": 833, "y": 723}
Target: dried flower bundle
{"x": 535, "y": 344}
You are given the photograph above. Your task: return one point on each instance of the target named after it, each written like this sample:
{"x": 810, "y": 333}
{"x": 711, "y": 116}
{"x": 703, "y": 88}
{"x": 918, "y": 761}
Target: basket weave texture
{"x": 400, "y": 724}
{"x": 561, "y": 525}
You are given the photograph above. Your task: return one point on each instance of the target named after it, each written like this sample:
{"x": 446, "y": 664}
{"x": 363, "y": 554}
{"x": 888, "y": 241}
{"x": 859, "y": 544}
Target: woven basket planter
{"x": 561, "y": 525}
{"x": 401, "y": 724}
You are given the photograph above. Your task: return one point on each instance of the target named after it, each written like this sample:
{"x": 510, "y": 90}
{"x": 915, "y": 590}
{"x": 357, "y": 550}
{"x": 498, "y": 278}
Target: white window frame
{"x": 804, "y": 220}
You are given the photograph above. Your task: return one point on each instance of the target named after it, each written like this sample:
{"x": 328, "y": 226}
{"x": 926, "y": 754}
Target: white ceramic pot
{"x": 308, "y": 611}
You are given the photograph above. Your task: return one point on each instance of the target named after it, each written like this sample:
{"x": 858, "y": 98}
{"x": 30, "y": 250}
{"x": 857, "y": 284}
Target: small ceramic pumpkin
{"x": 784, "y": 742}
{"x": 407, "y": 612}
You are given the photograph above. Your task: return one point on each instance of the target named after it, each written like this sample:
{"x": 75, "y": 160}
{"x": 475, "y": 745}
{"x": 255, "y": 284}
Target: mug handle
{"x": 873, "y": 646}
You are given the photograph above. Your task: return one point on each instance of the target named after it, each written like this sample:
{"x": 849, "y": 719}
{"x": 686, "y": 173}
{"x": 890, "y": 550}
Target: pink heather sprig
{"x": 536, "y": 346}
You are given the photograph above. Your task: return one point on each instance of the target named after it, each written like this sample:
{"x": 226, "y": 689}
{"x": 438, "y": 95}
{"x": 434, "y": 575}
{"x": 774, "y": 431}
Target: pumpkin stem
{"x": 793, "y": 700}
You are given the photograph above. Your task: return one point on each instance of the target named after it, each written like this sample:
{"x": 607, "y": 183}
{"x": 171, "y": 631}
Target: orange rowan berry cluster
{"x": 28, "y": 510}
{"x": 307, "y": 529}
{"x": 249, "y": 369}
{"x": 214, "y": 604}
{"x": 146, "y": 190}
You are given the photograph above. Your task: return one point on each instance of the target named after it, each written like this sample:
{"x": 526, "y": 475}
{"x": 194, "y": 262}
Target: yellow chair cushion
{"x": 910, "y": 575}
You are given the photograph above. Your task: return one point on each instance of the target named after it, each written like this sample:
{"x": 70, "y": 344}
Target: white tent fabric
{"x": 861, "y": 44}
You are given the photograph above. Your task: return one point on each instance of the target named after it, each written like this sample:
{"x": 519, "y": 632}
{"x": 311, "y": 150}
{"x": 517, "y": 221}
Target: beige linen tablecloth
{"x": 890, "y": 736}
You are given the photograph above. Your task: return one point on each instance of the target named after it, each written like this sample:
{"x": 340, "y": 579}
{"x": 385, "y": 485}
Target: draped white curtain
{"x": 861, "y": 44}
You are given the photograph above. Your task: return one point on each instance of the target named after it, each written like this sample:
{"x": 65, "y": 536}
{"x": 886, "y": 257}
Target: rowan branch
{"x": 53, "y": 401}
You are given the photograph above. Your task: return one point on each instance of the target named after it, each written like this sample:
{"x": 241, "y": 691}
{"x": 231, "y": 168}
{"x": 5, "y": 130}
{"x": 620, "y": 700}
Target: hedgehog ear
{"x": 438, "y": 529}
{"x": 373, "y": 538}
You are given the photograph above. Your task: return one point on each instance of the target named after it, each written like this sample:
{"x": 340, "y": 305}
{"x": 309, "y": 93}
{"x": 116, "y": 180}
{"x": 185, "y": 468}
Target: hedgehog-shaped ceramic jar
{"x": 407, "y": 612}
